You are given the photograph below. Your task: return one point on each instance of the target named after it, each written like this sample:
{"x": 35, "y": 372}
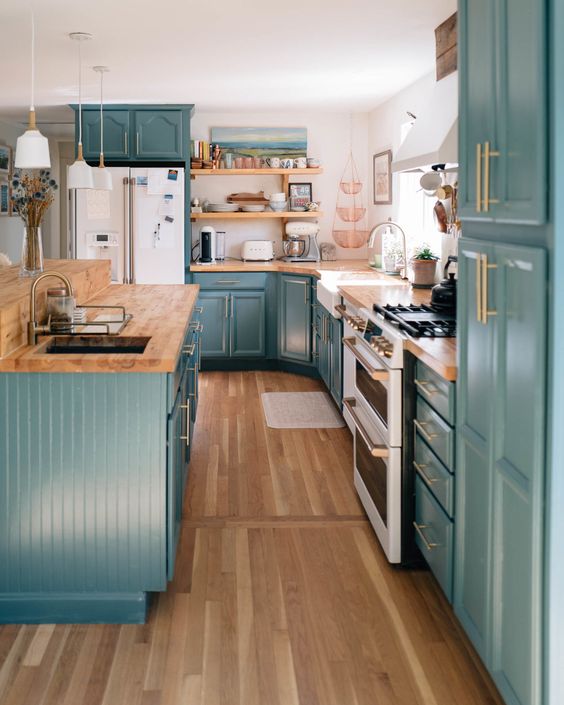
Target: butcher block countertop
{"x": 309, "y": 268}
{"x": 438, "y": 353}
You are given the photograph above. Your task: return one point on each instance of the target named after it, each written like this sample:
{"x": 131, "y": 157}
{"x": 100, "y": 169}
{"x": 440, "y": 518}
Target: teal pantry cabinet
{"x": 295, "y": 318}
{"x": 233, "y": 315}
{"x": 137, "y": 133}
{"x": 503, "y": 111}
{"x": 500, "y": 461}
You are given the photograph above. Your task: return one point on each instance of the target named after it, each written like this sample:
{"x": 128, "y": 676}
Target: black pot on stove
{"x": 443, "y": 295}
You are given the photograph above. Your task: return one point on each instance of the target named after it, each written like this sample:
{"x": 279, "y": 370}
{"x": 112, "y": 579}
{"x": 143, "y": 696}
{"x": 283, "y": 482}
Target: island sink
{"x": 97, "y": 344}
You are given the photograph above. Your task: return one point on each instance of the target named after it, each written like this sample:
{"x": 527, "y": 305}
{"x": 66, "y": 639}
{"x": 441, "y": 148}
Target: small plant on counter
{"x": 33, "y": 192}
{"x": 423, "y": 267}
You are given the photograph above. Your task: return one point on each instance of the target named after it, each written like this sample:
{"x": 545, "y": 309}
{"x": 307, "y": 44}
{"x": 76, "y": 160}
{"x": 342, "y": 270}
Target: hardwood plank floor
{"x": 282, "y": 595}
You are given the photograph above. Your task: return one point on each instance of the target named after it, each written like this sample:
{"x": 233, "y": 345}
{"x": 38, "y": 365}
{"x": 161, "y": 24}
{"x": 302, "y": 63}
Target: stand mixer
{"x": 296, "y": 247}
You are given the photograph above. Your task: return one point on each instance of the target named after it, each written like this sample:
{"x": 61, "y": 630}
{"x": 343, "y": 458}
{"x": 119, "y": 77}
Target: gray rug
{"x": 300, "y": 410}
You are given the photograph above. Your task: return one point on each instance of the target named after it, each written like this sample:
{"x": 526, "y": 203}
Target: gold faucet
{"x": 33, "y": 328}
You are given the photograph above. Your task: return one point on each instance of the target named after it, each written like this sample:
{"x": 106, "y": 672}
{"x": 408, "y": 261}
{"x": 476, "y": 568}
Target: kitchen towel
{"x": 300, "y": 410}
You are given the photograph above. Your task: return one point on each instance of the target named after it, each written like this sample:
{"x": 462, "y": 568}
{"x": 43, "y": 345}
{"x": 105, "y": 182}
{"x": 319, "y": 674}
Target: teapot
{"x": 443, "y": 295}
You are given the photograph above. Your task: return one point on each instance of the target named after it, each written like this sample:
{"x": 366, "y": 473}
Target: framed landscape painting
{"x": 382, "y": 173}
{"x": 283, "y": 142}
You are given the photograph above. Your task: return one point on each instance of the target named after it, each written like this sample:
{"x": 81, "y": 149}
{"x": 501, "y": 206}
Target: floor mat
{"x": 300, "y": 410}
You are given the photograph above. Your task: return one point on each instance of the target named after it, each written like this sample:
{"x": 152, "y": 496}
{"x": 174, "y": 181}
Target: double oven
{"x": 372, "y": 408}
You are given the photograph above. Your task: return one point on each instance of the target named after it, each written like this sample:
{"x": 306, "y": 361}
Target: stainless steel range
{"x": 373, "y": 362}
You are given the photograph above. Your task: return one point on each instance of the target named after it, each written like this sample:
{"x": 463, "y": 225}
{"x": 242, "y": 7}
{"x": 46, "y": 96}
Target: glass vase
{"x": 32, "y": 252}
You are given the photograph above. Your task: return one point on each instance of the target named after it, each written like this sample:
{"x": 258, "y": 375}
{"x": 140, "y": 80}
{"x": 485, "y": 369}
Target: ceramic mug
{"x": 238, "y": 162}
{"x": 300, "y": 163}
{"x": 272, "y": 162}
{"x": 313, "y": 162}
{"x": 257, "y": 162}
{"x": 228, "y": 160}
{"x": 248, "y": 162}
{"x": 287, "y": 163}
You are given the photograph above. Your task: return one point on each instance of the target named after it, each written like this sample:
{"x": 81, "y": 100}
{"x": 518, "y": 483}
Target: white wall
{"x": 328, "y": 139}
{"x": 11, "y": 228}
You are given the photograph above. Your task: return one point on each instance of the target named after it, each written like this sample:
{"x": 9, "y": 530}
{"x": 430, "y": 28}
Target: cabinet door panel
{"x": 215, "y": 321}
{"x": 336, "y": 377}
{"x": 158, "y": 134}
{"x": 116, "y": 134}
{"x": 248, "y": 325}
{"x": 477, "y": 121}
{"x": 519, "y": 473}
{"x": 522, "y": 114}
{"x": 175, "y": 469}
{"x": 295, "y": 318}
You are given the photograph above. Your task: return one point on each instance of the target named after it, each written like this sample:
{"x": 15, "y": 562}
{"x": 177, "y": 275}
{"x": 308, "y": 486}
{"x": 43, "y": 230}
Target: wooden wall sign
{"x": 446, "y": 43}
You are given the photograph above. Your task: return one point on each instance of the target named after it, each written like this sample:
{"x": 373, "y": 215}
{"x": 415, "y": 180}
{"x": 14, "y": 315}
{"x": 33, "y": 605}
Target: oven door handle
{"x": 375, "y": 450}
{"x": 378, "y": 375}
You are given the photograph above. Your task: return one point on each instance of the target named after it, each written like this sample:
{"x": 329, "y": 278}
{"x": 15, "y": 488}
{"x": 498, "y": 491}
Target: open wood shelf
{"x": 254, "y": 172}
{"x": 239, "y": 215}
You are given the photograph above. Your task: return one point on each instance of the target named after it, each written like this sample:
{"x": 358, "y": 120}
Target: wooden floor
{"x": 282, "y": 595}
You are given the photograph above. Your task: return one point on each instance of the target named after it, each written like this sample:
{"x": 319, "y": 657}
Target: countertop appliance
{"x": 138, "y": 226}
{"x": 443, "y": 295}
{"x": 257, "y": 251}
{"x": 208, "y": 241}
{"x": 305, "y": 232}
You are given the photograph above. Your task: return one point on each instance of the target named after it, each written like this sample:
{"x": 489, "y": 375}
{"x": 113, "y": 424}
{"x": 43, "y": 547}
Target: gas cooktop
{"x": 420, "y": 321}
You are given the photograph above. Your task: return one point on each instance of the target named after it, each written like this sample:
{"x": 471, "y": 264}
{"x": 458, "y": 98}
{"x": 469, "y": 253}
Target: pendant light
{"x": 80, "y": 174}
{"x": 32, "y": 149}
{"x": 102, "y": 176}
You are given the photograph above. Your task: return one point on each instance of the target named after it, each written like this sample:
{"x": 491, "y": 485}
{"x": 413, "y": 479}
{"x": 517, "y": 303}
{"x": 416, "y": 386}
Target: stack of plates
{"x": 223, "y": 207}
{"x": 252, "y": 209}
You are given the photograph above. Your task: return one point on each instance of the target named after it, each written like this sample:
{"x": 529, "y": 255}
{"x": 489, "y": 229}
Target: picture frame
{"x": 382, "y": 178}
{"x": 5, "y": 160}
{"x": 299, "y": 195}
{"x": 5, "y": 200}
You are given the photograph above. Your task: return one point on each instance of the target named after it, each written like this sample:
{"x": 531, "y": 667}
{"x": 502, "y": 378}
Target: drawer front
{"x": 188, "y": 357}
{"x": 436, "y": 432}
{"x": 434, "y": 474}
{"x": 434, "y": 535}
{"x": 436, "y": 391}
{"x": 230, "y": 280}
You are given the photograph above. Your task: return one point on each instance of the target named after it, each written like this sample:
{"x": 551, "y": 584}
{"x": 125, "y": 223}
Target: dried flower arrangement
{"x": 32, "y": 194}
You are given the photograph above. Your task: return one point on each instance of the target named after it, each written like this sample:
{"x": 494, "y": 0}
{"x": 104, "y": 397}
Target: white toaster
{"x": 257, "y": 250}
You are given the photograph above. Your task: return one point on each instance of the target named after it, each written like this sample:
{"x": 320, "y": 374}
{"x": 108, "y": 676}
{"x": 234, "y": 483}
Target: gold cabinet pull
{"x": 485, "y": 267}
{"x": 376, "y": 451}
{"x": 488, "y": 154}
{"x": 479, "y": 177}
{"x": 189, "y": 349}
{"x": 187, "y": 436}
{"x": 479, "y": 288}
{"x": 198, "y": 309}
{"x": 137, "y": 143}
{"x": 195, "y": 392}
{"x": 125, "y": 142}
{"x": 377, "y": 375}
{"x": 420, "y": 426}
{"x": 420, "y": 469}
{"x": 227, "y": 307}
{"x": 423, "y": 385}
{"x": 419, "y": 528}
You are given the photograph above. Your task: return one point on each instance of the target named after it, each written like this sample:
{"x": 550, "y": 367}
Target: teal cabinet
{"x": 175, "y": 479}
{"x": 215, "y": 323}
{"x": 158, "y": 134}
{"x": 247, "y": 326}
{"x": 328, "y": 331}
{"x": 503, "y": 115}
{"x": 234, "y": 324}
{"x": 116, "y": 134}
{"x": 294, "y": 318}
{"x": 500, "y": 464}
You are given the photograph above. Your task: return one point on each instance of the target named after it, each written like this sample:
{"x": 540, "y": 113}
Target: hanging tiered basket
{"x": 349, "y": 223}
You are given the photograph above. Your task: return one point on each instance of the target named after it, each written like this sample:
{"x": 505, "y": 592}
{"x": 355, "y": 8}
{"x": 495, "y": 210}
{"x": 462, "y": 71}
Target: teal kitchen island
{"x": 94, "y": 456}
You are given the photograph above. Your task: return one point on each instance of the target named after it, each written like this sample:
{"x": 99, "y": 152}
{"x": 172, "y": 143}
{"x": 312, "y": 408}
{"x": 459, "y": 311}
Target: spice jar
{"x": 60, "y": 306}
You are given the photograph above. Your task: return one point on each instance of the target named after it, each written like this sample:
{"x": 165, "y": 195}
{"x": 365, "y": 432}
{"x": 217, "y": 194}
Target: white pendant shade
{"x": 102, "y": 178}
{"x": 80, "y": 175}
{"x": 32, "y": 151}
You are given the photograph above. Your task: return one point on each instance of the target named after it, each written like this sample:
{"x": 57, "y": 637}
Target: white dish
{"x": 252, "y": 209}
{"x": 278, "y": 206}
{"x": 223, "y": 207}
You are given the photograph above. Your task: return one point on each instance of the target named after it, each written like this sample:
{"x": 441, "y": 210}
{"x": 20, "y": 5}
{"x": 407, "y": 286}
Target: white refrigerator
{"x": 138, "y": 226}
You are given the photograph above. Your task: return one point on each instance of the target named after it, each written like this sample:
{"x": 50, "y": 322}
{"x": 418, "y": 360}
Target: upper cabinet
{"x": 116, "y": 134}
{"x": 503, "y": 112}
{"x": 158, "y": 134}
{"x": 136, "y": 133}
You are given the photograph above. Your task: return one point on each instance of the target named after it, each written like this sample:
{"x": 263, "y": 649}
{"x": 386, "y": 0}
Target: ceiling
{"x": 222, "y": 56}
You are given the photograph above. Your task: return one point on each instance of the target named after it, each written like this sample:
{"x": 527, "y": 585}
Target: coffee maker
{"x": 301, "y": 243}
{"x": 208, "y": 244}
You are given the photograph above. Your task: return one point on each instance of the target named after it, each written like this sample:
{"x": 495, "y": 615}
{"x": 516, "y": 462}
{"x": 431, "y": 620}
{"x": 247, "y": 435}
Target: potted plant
{"x": 33, "y": 193}
{"x": 423, "y": 267}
